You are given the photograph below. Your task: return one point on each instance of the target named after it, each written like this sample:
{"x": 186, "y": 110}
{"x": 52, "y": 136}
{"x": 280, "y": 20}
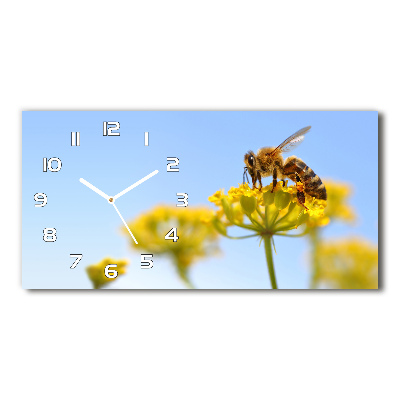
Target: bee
{"x": 269, "y": 161}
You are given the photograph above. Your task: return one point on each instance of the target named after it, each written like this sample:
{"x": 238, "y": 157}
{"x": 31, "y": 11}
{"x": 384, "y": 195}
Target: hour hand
{"x": 135, "y": 184}
{"x": 94, "y": 188}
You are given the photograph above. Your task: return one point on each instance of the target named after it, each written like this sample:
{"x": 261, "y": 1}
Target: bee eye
{"x": 250, "y": 161}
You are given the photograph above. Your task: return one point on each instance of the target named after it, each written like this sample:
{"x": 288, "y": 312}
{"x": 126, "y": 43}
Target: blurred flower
{"x": 266, "y": 213}
{"x": 97, "y": 272}
{"x": 338, "y": 207}
{"x": 349, "y": 263}
{"x": 194, "y": 228}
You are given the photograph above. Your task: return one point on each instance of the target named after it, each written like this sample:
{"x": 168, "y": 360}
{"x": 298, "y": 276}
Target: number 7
{"x": 79, "y": 258}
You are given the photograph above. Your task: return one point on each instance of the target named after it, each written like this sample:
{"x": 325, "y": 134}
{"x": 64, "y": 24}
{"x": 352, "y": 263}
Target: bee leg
{"x": 283, "y": 182}
{"x": 253, "y": 180}
{"x": 259, "y": 179}
{"x": 274, "y": 180}
{"x": 301, "y": 198}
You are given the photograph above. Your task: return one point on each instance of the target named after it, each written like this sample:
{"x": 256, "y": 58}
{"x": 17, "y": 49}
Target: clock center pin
{"x": 110, "y": 199}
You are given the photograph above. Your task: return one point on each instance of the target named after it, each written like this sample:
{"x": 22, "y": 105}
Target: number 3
{"x": 184, "y": 200}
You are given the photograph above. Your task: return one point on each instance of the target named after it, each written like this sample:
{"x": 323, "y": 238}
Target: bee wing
{"x": 293, "y": 141}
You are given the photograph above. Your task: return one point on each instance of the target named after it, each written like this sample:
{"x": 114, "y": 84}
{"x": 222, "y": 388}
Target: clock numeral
{"x": 111, "y": 130}
{"x": 146, "y": 138}
{"x": 174, "y": 236}
{"x": 47, "y": 164}
{"x": 110, "y": 273}
{"x": 146, "y": 263}
{"x": 75, "y": 139}
{"x": 41, "y": 197}
{"x": 184, "y": 200}
{"x": 79, "y": 258}
{"x": 49, "y": 234}
{"x": 170, "y": 167}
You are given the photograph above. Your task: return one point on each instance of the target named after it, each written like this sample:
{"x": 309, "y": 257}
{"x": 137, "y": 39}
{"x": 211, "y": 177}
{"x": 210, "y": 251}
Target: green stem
{"x": 270, "y": 261}
{"x": 291, "y": 206}
{"x": 314, "y": 235}
{"x": 254, "y": 221}
{"x": 260, "y": 213}
{"x": 185, "y": 279}
{"x": 246, "y": 226}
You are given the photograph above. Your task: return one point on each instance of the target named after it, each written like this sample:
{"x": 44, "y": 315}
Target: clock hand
{"x": 94, "y": 188}
{"x": 135, "y": 184}
{"x": 126, "y": 225}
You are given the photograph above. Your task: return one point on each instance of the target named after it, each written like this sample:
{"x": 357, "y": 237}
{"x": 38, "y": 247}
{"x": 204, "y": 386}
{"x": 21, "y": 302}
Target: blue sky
{"x": 210, "y": 146}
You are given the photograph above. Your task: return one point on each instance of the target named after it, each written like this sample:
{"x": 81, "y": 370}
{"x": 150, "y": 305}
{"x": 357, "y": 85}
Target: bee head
{"x": 250, "y": 161}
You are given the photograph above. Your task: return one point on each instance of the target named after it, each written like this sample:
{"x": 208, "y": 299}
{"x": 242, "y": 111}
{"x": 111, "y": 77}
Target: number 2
{"x": 174, "y": 164}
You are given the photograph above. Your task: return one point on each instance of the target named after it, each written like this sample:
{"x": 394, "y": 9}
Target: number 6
{"x": 110, "y": 273}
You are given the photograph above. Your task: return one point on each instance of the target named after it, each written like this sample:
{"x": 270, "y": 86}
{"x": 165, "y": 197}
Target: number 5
{"x": 145, "y": 262}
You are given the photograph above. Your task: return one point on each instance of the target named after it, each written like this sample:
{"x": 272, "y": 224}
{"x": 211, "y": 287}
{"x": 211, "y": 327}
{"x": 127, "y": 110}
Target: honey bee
{"x": 269, "y": 161}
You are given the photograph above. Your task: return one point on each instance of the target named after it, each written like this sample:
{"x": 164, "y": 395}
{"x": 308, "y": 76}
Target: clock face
{"x": 86, "y": 175}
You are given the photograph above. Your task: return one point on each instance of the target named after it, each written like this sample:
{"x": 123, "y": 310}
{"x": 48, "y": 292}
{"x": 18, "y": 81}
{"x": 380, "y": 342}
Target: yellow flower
{"x": 216, "y": 197}
{"x": 97, "y": 272}
{"x": 268, "y": 212}
{"x": 265, "y": 213}
{"x": 194, "y": 229}
{"x": 350, "y": 263}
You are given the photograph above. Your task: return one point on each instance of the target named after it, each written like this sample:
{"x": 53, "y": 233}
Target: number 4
{"x": 173, "y": 237}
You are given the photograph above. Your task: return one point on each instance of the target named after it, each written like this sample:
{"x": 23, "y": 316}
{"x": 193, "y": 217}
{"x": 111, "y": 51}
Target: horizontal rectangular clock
{"x": 176, "y": 200}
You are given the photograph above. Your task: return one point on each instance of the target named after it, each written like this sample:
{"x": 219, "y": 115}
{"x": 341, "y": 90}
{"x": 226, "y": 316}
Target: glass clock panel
{"x": 199, "y": 200}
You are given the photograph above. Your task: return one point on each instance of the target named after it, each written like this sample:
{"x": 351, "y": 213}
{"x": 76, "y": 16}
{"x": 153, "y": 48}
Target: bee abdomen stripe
{"x": 316, "y": 188}
{"x": 301, "y": 164}
{"x": 312, "y": 182}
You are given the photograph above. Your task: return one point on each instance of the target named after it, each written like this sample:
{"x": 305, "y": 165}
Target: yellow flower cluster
{"x": 349, "y": 263}
{"x": 269, "y": 212}
{"x": 197, "y": 236}
{"x": 97, "y": 273}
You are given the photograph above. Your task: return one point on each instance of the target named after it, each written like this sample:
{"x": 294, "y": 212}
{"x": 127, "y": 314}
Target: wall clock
{"x": 156, "y": 199}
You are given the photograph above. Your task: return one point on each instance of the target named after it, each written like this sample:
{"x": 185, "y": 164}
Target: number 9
{"x": 42, "y": 198}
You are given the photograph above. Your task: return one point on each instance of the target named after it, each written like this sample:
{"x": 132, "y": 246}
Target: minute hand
{"x": 135, "y": 184}
{"x": 94, "y": 188}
